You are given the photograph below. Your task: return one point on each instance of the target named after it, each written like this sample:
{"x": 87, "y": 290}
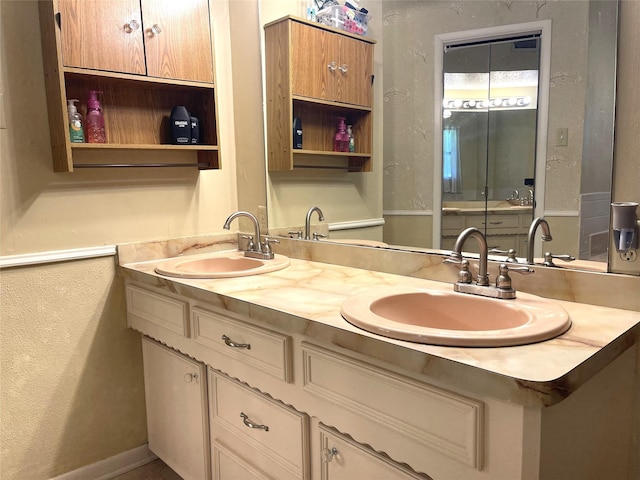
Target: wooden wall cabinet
{"x": 145, "y": 56}
{"x": 317, "y": 74}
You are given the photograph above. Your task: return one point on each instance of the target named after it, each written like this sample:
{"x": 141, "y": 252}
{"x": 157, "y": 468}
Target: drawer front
{"x": 434, "y": 418}
{"x": 493, "y": 222}
{"x": 232, "y": 340}
{"x": 228, "y": 465}
{"x": 277, "y": 432}
{"x": 166, "y": 312}
{"x": 453, "y": 222}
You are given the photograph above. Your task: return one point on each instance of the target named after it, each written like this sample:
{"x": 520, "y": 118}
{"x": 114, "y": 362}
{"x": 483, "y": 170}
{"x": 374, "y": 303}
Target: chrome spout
{"x": 531, "y": 236}
{"x": 227, "y": 224}
{"x": 307, "y": 222}
{"x": 482, "y": 278}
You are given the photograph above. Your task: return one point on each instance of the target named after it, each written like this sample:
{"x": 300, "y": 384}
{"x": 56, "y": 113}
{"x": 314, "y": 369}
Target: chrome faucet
{"x": 483, "y": 278}
{"x": 502, "y": 288}
{"x": 531, "y": 236}
{"x": 256, "y": 249}
{"x": 307, "y": 222}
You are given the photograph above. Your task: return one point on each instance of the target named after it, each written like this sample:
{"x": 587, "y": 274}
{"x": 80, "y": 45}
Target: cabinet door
{"x": 354, "y": 73}
{"x": 341, "y": 458}
{"x": 311, "y": 56}
{"x": 102, "y": 35}
{"x": 177, "y": 416}
{"x": 178, "y": 39}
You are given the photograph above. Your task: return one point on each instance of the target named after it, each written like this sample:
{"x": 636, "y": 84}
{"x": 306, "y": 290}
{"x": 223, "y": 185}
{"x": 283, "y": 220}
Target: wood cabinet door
{"x": 177, "y": 414}
{"x": 178, "y": 39}
{"x": 354, "y": 73}
{"x": 311, "y": 54}
{"x": 102, "y": 35}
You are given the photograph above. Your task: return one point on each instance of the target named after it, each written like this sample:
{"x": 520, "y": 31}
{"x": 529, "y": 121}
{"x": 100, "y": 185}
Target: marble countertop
{"x": 306, "y": 298}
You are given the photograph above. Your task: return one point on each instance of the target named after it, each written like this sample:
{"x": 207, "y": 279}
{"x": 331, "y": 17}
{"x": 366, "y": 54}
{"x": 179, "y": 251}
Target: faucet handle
{"x": 464, "y": 275}
{"x": 297, "y": 233}
{"x": 266, "y": 245}
{"x": 250, "y": 243}
{"x": 511, "y": 254}
{"x": 548, "y": 259}
{"x": 521, "y": 269}
{"x": 318, "y": 236}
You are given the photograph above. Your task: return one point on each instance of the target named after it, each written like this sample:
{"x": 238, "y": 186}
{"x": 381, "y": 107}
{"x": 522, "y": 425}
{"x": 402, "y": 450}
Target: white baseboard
{"x": 113, "y": 466}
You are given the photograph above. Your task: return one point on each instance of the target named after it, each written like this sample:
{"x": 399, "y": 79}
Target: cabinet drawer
{"x": 145, "y": 306}
{"x": 236, "y": 344}
{"x": 493, "y": 222}
{"x": 228, "y": 465}
{"x": 277, "y": 433}
{"x": 428, "y": 416}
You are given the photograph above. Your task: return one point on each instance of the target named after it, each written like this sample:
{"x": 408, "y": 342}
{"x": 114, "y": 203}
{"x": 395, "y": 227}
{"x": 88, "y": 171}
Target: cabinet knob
{"x": 344, "y": 68}
{"x": 329, "y": 454}
{"x": 132, "y": 26}
{"x": 332, "y": 66}
{"x": 190, "y": 377}
{"x": 155, "y": 29}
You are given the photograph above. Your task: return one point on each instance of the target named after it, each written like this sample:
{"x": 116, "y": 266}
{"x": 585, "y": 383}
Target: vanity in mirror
{"x": 550, "y": 157}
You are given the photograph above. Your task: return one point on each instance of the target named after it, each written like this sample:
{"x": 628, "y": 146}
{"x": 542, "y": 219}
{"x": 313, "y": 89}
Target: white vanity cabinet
{"x": 177, "y": 420}
{"x": 304, "y": 403}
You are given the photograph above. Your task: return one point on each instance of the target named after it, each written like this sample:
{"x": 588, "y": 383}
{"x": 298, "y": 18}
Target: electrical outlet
{"x": 629, "y": 256}
{"x": 263, "y": 218}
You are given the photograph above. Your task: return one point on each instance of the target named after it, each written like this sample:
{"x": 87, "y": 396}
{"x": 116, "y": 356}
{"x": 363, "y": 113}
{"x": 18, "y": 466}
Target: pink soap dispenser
{"x": 94, "y": 123}
{"x": 341, "y": 138}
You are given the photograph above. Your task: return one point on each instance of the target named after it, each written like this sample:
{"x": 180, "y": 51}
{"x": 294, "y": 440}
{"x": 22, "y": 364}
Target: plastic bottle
{"x": 180, "y": 120}
{"x": 352, "y": 141}
{"x": 95, "y": 120}
{"x": 341, "y": 139}
{"x": 76, "y": 133}
{"x": 297, "y": 133}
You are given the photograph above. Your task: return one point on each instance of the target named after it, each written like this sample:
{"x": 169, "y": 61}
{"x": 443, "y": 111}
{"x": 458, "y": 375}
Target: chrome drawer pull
{"x": 250, "y": 424}
{"x": 230, "y": 343}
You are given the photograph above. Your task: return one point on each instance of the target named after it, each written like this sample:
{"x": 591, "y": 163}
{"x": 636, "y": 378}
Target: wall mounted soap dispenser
{"x": 623, "y": 257}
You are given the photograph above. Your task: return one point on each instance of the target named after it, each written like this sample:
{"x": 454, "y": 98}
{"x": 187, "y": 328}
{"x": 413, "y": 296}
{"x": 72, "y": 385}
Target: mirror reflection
{"x": 489, "y": 132}
{"x": 404, "y": 200}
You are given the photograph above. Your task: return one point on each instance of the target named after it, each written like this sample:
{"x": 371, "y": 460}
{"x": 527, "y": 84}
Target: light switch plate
{"x": 562, "y": 137}
{"x": 263, "y": 218}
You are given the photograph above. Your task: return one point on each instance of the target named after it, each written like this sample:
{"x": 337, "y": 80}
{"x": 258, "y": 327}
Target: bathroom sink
{"x": 455, "y": 319}
{"x": 219, "y": 265}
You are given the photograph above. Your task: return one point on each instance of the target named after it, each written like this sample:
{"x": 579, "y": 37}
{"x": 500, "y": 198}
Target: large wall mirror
{"x": 570, "y": 180}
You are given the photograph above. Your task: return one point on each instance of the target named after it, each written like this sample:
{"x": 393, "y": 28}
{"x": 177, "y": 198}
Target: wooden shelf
{"x": 145, "y": 146}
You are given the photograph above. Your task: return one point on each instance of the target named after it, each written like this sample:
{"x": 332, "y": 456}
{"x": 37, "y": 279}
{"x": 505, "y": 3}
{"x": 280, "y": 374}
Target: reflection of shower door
{"x": 490, "y": 109}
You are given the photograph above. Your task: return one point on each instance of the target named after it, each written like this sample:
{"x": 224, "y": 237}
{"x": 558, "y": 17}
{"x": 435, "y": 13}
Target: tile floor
{"x": 156, "y": 470}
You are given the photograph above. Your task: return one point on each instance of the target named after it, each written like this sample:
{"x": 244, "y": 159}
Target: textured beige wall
{"x": 71, "y": 387}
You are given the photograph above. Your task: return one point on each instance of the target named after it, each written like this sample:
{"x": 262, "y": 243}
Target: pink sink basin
{"x": 219, "y": 265}
{"x": 455, "y": 319}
